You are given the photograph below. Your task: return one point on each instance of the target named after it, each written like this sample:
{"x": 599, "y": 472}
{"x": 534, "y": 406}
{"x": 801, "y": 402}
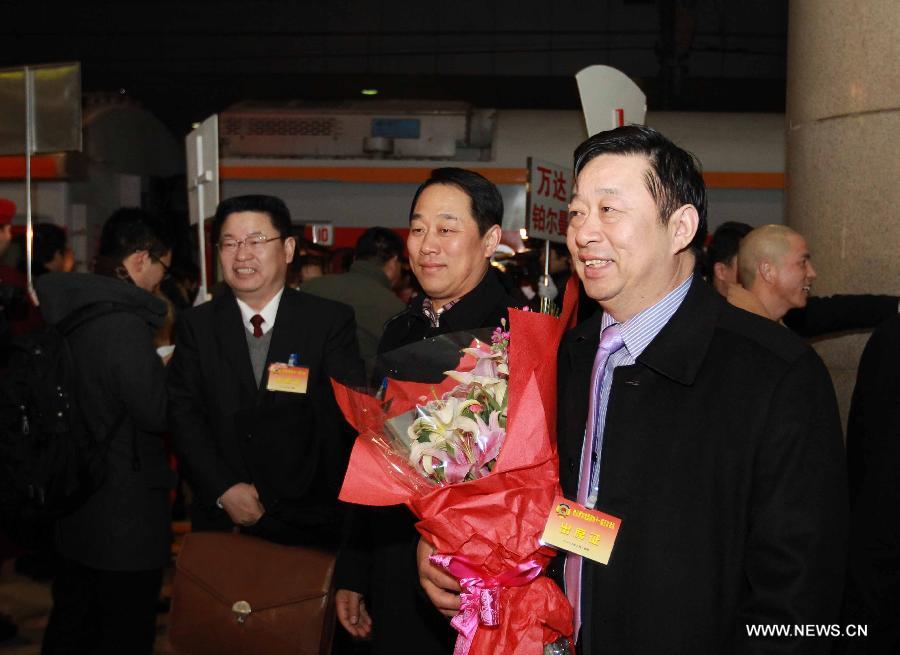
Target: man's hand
{"x": 441, "y": 588}
{"x": 241, "y": 502}
{"x": 351, "y": 612}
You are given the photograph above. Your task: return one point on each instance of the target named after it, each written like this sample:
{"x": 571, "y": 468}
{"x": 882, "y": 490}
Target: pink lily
{"x": 489, "y": 439}
{"x": 455, "y": 467}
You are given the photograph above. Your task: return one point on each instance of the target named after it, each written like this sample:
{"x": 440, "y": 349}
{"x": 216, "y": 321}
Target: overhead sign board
{"x": 44, "y": 100}
{"x": 609, "y": 98}
{"x": 547, "y": 209}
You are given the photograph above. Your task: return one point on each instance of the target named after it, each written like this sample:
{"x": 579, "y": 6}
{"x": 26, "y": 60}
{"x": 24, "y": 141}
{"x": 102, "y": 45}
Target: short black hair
{"x": 48, "y": 239}
{"x": 273, "y": 206}
{"x": 485, "y": 198}
{"x": 724, "y": 243}
{"x": 380, "y": 244}
{"x": 129, "y": 230}
{"x": 674, "y": 179}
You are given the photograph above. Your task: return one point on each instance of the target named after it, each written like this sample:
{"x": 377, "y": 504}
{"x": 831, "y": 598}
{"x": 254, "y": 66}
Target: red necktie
{"x": 256, "y": 320}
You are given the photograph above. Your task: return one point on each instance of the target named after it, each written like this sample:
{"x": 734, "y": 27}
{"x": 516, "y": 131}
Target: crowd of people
{"x": 707, "y": 425}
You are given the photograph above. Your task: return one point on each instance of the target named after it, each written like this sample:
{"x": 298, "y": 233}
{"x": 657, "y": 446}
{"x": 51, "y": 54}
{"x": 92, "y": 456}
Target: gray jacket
{"x": 367, "y": 290}
{"x": 124, "y": 525}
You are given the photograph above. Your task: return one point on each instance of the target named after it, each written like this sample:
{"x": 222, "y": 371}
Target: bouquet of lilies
{"x": 474, "y": 458}
{"x": 458, "y": 437}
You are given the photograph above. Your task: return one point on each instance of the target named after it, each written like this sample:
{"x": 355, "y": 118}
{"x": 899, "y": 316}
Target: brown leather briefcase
{"x": 239, "y": 595}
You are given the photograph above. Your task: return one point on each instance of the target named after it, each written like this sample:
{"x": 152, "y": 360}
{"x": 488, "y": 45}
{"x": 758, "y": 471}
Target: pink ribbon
{"x": 479, "y": 602}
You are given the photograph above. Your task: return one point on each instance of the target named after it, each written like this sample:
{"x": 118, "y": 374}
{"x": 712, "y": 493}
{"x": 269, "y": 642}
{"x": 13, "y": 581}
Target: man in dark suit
{"x": 267, "y": 460}
{"x": 711, "y": 433}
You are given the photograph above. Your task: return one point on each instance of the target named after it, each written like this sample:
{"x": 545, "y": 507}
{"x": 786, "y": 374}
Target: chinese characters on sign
{"x": 549, "y": 188}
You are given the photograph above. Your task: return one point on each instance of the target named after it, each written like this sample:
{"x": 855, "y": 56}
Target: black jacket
{"x": 827, "y": 314}
{"x": 378, "y": 558}
{"x": 293, "y": 447}
{"x": 125, "y": 525}
{"x": 873, "y": 460}
{"x": 722, "y": 456}
{"x": 484, "y": 306}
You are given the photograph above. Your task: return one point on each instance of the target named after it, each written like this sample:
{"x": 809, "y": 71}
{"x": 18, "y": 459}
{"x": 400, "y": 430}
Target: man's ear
{"x": 766, "y": 270}
{"x": 135, "y": 263}
{"x": 142, "y": 259}
{"x": 290, "y": 244}
{"x": 720, "y": 271}
{"x": 683, "y": 224}
{"x": 491, "y": 240}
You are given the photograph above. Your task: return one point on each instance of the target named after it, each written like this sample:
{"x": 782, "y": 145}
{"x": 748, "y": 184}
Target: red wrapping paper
{"x": 495, "y": 522}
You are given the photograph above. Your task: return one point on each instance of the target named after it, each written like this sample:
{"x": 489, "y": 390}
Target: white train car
{"x": 358, "y": 167}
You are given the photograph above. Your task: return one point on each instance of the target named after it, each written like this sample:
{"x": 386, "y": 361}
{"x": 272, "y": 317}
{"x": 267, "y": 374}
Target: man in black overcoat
{"x": 715, "y": 439}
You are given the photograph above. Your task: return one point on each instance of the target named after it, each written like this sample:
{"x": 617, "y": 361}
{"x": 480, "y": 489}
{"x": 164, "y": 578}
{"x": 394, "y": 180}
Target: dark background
{"x": 186, "y": 60}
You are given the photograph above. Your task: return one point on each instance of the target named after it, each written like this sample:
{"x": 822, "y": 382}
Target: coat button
{"x": 249, "y": 436}
{"x": 571, "y": 465}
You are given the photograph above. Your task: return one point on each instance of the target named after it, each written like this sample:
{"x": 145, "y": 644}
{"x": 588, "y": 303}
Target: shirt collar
{"x": 268, "y": 312}
{"x": 434, "y": 315}
{"x": 642, "y": 328}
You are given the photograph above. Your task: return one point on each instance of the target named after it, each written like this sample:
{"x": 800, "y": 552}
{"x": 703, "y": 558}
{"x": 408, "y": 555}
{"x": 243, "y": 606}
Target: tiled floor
{"x": 29, "y": 602}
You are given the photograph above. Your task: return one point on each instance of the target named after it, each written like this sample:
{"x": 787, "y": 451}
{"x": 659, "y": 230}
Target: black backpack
{"x": 50, "y": 463}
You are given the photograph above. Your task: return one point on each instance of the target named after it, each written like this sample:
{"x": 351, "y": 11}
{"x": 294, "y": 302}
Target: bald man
{"x": 776, "y": 272}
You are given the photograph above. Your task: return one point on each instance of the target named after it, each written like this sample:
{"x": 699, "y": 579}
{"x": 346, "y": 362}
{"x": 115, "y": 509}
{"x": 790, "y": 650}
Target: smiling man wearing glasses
{"x": 261, "y": 451}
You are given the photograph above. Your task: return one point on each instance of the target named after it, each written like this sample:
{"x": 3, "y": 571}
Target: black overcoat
{"x": 723, "y": 458}
{"x": 119, "y": 379}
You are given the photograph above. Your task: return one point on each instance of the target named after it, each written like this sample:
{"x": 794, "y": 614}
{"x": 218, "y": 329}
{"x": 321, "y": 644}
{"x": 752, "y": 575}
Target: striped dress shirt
{"x": 637, "y": 333}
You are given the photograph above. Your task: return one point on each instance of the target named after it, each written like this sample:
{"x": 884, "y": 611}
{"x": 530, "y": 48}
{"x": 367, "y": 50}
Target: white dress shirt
{"x": 268, "y": 313}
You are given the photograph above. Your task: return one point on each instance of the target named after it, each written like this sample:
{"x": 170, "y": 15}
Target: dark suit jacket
{"x": 293, "y": 447}
{"x": 722, "y": 456}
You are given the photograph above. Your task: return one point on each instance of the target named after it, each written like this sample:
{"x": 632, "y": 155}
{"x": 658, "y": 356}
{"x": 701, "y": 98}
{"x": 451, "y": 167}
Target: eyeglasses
{"x": 255, "y": 242}
{"x": 167, "y": 272}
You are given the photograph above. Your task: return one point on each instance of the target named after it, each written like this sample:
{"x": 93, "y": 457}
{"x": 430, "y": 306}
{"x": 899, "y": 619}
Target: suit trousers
{"x": 102, "y": 612}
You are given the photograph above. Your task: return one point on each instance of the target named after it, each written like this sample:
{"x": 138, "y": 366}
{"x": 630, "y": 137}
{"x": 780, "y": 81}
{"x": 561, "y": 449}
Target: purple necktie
{"x": 610, "y": 342}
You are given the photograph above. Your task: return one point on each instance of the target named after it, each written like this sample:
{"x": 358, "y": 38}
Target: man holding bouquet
{"x": 454, "y": 224}
{"x": 712, "y": 434}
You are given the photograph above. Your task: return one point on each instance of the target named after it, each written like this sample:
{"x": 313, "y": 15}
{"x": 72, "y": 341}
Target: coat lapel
{"x": 285, "y": 334}
{"x": 233, "y": 344}
{"x": 581, "y": 350}
{"x": 679, "y": 350}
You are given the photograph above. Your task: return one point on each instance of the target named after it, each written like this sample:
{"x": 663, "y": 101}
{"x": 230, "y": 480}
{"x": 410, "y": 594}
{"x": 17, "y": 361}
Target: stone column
{"x": 843, "y": 154}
